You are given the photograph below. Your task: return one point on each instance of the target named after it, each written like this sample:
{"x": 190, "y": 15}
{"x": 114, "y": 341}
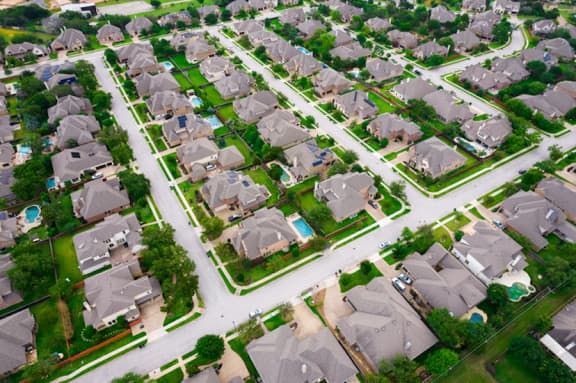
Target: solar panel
{"x": 182, "y": 121}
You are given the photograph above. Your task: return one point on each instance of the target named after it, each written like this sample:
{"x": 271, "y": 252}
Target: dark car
{"x": 234, "y": 217}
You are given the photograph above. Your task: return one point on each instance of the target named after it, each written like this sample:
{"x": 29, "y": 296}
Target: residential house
{"x": 281, "y": 129}
{"x": 86, "y": 9}
{"x": 489, "y": 253}
{"x": 558, "y": 47}
{"x": 236, "y": 6}
{"x": 117, "y": 292}
{"x": 22, "y": 50}
{"x": 180, "y": 39}
{"x": 543, "y": 27}
{"x": 279, "y": 356}
{"x": 207, "y": 375}
{"x": 566, "y": 87}
{"x": 441, "y": 14}
{"x": 252, "y": 108}
{"x": 308, "y": 160}
{"x": 238, "y": 84}
{"x": 538, "y": 54}
{"x": 246, "y": 27}
{"x": 69, "y": 40}
{"x": 482, "y": 24}
{"x": 262, "y": 5}
{"x": 329, "y": 81}
{"x": 138, "y": 26}
{"x": 9, "y": 228}
{"x": 281, "y": 51}
{"x": 474, "y": 5}
{"x": 381, "y": 70}
{"x": 447, "y": 107}
{"x": 70, "y": 164}
{"x": 431, "y": 48}
{"x": 147, "y": 84}
{"x": 345, "y": 194}
{"x": 208, "y": 10}
{"x": 490, "y": 133}
{"x": 6, "y": 181}
{"x": 292, "y": 16}
{"x": 3, "y": 90}
{"x": 506, "y": 6}
{"x": 356, "y": 105}
{"x": 68, "y": 105}
{"x": 560, "y": 194}
{"x": 571, "y": 29}
{"x": 393, "y": 127}
{"x": 552, "y": 104}
{"x": 204, "y": 153}
{"x": 76, "y": 130}
{"x": 169, "y": 102}
{"x": 288, "y": 3}
{"x": 262, "y": 37}
{"x": 109, "y": 34}
{"x": 198, "y": 50}
{"x": 115, "y": 234}
{"x": 175, "y": 18}
{"x": 99, "y": 198}
{"x": 309, "y": 27}
{"x": 405, "y": 40}
{"x": 412, "y": 88}
{"x": 561, "y": 339}
{"x": 464, "y": 41}
{"x": 216, "y": 68}
{"x": 6, "y": 129}
{"x": 376, "y": 24}
{"x": 350, "y": 52}
{"x": 17, "y": 336}
{"x": 233, "y": 189}
{"x": 127, "y": 53}
{"x": 6, "y": 155}
{"x": 487, "y": 80}
{"x": 434, "y": 158}
{"x": 265, "y": 233}
{"x": 3, "y": 106}
{"x": 341, "y": 37}
{"x": 511, "y": 67}
{"x": 443, "y": 281}
{"x": 383, "y": 325}
{"x": 186, "y": 128}
{"x": 303, "y": 65}
{"x": 142, "y": 62}
{"x": 534, "y": 217}
{"x": 61, "y": 79}
{"x": 8, "y": 295}
{"x": 347, "y": 12}
{"x": 45, "y": 71}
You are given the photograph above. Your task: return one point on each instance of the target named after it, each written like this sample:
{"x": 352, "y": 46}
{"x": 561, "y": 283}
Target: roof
{"x": 108, "y": 30}
{"x": 341, "y": 37}
{"x": 474, "y": 4}
{"x": 329, "y": 79}
{"x": 391, "y": 125}
{"x": 351, "y": 51}
{"x": 197, "y": 48}
{"x": 129, "y": 52}
{"x": 147, "y": 84}
{"x": 208, "y": 375}
{"x": 306, "y": 156}
{"x": 6, "y": 129}
{"x": 434, "y": 156}
{"x": 247, "y": 26}
{"x": 44, "y": 72}
{"x": 465, "y": 39}
{"x": 483, "y": 78}
{"x": 280, "y": 129}
{"x": 181, "y": 38}
{"x": 190, "y": 125}
{"x": 168, "y": 99}
{"x": 280, "y": 357}
{"x": 413, "y": 88}
{"x": 444, "y": 281}
{"x": 538, "y": 54}
{"x": 197, "y": 150}
{"x": 7, "y": 293}
{"x": 447, "y": 107}
{"x": 491, "y": 132}
{"x": 309, "y": 27}
{"x": 138, "y": 24}
{"x": 377, "y": 24}
{"x": 24, "y": 48}
{"x": 356, "y": 103}
{"x": 99, "y": 197}
{"x": 79, "y": 128}
{"x": 216, "y": 65}
{"x": 383, "y": 70}
{"x": 16, "y": 332}
{"x": 71, "y": 163}
{"x": 406, "y": 39}
{"x": 68, "y": 105}
{"x": 304, "y": 65}
{"x": 345, "y": 193}
{"x": 558, "y": 47}
{"x": 6, "y": 153}
{"x": 544, "y": 26}
{"x": 564, "y": 332}
{"x": 6, "y": 181}
{"x": 238, "y": 84}
{"x": 441, "y": 14}
{"x": 69, "y": 38}
{"x": 559, "y": 194}
{"x": 431, "y": 48}
{"x": 233, "y": 186}
{"x": 292, "y": 16}
{"x": 255, "y": 106}
{"x": 512, "y": 67}
{"x": 281, "y": 51}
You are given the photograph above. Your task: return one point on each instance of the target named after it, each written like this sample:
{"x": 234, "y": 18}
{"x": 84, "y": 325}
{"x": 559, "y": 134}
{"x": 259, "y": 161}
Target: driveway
{"x": 151, "y": 314}
{"x": 232, "y": 366}
{"x": 334, "y": 306}
{"x": 308, "y": 322}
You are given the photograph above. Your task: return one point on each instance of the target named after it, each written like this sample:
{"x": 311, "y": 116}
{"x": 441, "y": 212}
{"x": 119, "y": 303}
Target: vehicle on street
{"x": 417, "y": 72}
{"x": 234, "y": 217}
{"x": 404, "y": 278}
{"x": 498, "y": 224}
{"x": 522, "y": 171}
{"x": 397, "y": 283}
{"x": 385, "y": 244}
{"x": 255, "y": 313}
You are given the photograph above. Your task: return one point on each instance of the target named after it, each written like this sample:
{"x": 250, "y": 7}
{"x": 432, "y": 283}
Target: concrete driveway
{"x": 334, "y": 306}
{"x": 232, "y": 366}
{"x": 308, "y": 322}
{"x": 151, "y": 315}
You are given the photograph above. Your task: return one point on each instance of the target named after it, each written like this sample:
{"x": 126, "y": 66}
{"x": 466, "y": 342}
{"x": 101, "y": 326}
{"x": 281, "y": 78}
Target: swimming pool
{"x": 466, "y": 145}
{"x": 51, "y": 183}
{"x": 168, "y": 65}
{"x": 25, "y": 149}
{"x": 195, "y": 101}
{"x": 214, "y": 121}
{"x": 32, "y": 213}
{"x": 476, "y": 318}
{"x": 355, "y": 73}
{"x": 47, "y": 142}
{"x": 518, "y": 291}
{"x": 285, "y": 177}
{"x": 304, "y": 51}
{"x": 303, "y": 228}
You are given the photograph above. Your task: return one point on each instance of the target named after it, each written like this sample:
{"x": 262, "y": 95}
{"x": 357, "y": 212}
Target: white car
{"x": 404, "y": 278}
{"x": 383, "y": 245}
{"x": 255, "y": 313}
{"x": 398, "y": 284}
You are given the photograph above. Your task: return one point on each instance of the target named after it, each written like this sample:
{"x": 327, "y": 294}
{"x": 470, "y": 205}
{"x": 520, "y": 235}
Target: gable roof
{"x": 392, "y": 125}
{"x": 208, "y": 375}
{"x": 382, "y": 70}
{"x": 343, "y": 193}
{"x": 147, "y": 84}
{"x": 306, "y": 156}
{"x": 413, "y": 88}
{"x": 441, "y": 14}
{"x": 69, "y": 38}
{"x": 78, "y": 127}
{"x": 491, "y": 132}
{"x": 137, "y": 25}
{"x": 255, "y": 106}
{"x": 465, "y": 39}
{"x": 356, "y": 103}
{"x": 559, "y": 194}
{"x": 232, "y": 185}
{"x": 238, "y": 84}
{"x": 446, "y": 106}
{"x": 68, "y": 105}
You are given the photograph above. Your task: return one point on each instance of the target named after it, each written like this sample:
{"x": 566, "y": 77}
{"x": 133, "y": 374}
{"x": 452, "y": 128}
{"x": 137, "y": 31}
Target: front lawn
{"x": 382, "y": 105}
{"x": 66, "y": 261}
{"x": 143, "y": 212}
{"x": 260, "y": 177}
{"x": 457, "y": 222}
{"x": 175, "y": 376}
{"x": 358, "y": 278}
{"x": 155, "y": 133}
{"x": 212, "y": 96}
{"x": 182, "y": 81}
{"x": 142, "y": 111}
{"x": 189, "y": 190}
{"x": 274, "y": 322}
{"x": 171, "y": 161}
{"x": 196, "y": 77}
{"x": 442, "y": 236}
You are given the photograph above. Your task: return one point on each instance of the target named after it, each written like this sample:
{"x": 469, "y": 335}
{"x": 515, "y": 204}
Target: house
{"x": 109, "y": 34}
{"x": 142, "y": 62}
{"x": 208, "y": 10}
{"x": 68, "y": 105}
{"x": 551, "y": 104}
{"x": 345, "y": 194}
{"x": 562, "y": 338}
{"x": 61, "y": 79}
{"x": 558, "y": 47}
{"x": 127, "y": 53}
{"x": 69, "y": 40}
{"x": 412, "y": 88}
{"x": 17, "y": 333}
{"x": 233, "y": 189}
{"x": 6, "y": 129}
{"x": 238, "y": 84}
{"x": 347, "y": 12}
{"x": 483, "y": 23}
{"x": 138, "y": 26}
{"x": 208, "y": 375}
{"x": 22, "y": 50}
{"x": 464, "y": 41}
{"x": 535, "y": 217}
{"x": 434, "y": 158}
{"x": 383, "y": 325}
{"x": 511, "y": 67}
{"x": 262, "y": 37}
{"x": 538, "y": 54}
{"x": 393, "y": 127}
{"x": 281, "y": 51}
{"x": 431, "y": 48}
{"x": 490, "y": 133}
{"x": 443, "y": 281}
{"x": 86, "y": 9}
{"x": 6, "y": 181}
{"x": 558, "y": 193}
{"x": 8, "y": 296}
{"x": 329, "y": 81}
{"x": 9, "y": 230}
{"x": 567, "y": 87}
{"x": 381, "y": 70}
{"x": 175, "y": 18}
{"x": 281, "y": 129}
{"x": 246, "y": 27}
{"x": 340, "y": 37}
{"x": 570, "y": 29}
{"x": 98, "y": 199}
{"x": 236, "y": 6}
{"x": 265, "y": 233}
{"x": 293, "y": 16}
{"x": 186, "y": 128}
{"x": 117, "y": 292}
{"x": 506, "y": 6}
{"x": 45, "y": 71}
{"x": 169, "y": 102}
{"x": 350, "y": 52}
{"x": 3, "y": 106}
{"x": 308, "y": 160}
{"x": 309, "y": 27}
{"x": 115, "y": 234}
{"x": 441, "y": 14}
{"x": 180, "y": 39}
{"x": 489, "y": 253}
{"x": 288, "y": 3}
{"x": 543, "y": 27}
{"x": 487, "y": 80}
{"x": 147, "y": 84}
{"x": 261, "y": 5}
{"x": 356, "y": 105}
{"x": 303, "y": 65}
{"x": 6, "y": 155}
{"x": 474, "y": 5}
{"x": 198, "y": 50}
{"x": 76, "y": 130}
{"x": 70, "y": 164}
{"x": 376, "y": 24}
{"x": 405, "y": 40}
{"x": 448, "y": 109}
{"x": 204, "y": 152}
{"x": 216, "y": 68}
{"x": 279, "y": 356}
{"x": 252, "y": 108}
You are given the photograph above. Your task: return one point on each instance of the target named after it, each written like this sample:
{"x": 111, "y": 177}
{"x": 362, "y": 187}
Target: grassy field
{"x": 171, "y": 161}
{"x": 196, "y": 77}
{"x": 441, "y": 235}
{"x": 182, "y": 81}
{"x": 212, "y": 96}
{"x": 457, "y": 222}
{"x": 9, "y": 34}
{"x": 66, "y": 261}
{"x": 260, "y": 177}
{"x": 155, "y": 132}
{"x": 49, "y": 335}
{"x": 246, "y": 152}
{"x": 175, "y": 376}
{"x": 382, "y": 105}
{"x": 142, "y": 111}
{"x": 180, "y": 61}
{"x": 189, "y": 190}
{"x": 227, "y": 112}
{"x": 510, "y": 370}
{"x": 143, "y": 212}
{"x": 358, "y": 278}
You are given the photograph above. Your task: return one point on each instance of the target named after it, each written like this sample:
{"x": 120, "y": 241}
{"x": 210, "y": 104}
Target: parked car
{"x": 498, "y": 224}
{"x": 397, "y": 283}
{"x": 234, "y": 217}
{"x": 255, "y": 313}
{"x": 385, "y": 244}
{"x": 373, "y": 203}
{"x": 97, "y": 176}
{"x": 522, "y": 171}
{"x": 417, "y": 72}
{"x": 404, "y": 278}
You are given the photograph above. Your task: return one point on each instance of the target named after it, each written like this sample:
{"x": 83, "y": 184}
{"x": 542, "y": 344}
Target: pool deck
{"x": 511, "y": 277}
{"x": 26, "y": 226}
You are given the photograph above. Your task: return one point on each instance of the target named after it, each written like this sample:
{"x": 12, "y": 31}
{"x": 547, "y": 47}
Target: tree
{"x": 498, "y": 295}
{"x": 320, "y": 213}
{"x": 555, "y": 152}
{"x": 130, "y": 378}
{"x": 30, "y": 178}
{"x": 337, "y": 168}
{"x": 443, "y": 325}
{"x": 571, "y": 115}
{"x": 41, "y": 369}
{"x": 226, "y": 15}
{"x": 249, "y": 330}
{"x": 473, "y": 334}
{"x": 398, "y": 189}
{"x": 526, "y": 349}
{"x": 111, "y": 56}
{"x": 434, "y": 60}
{"x": 101, "y": 100}
{"x": 213, "y": 227}
{"x": 286, "y": 312}
{"x": 441, "y": 360}
{"x": 155, "y": 3}
{"x": 509, "y": 188}
{"x": 365, "y": 267}
{"x": 404, "y": 370}
{"x": 317, "y": 243}
{"x": 349, "y": 156}
{"x": 536, "y": 69}
{"x": 275, "y": 172}
{"x": 531, "y": 178}
{"x": 137, "y": 185}
{"x": 543, "y": 324}
{"x": 210, "y": 348}
{"x": 32, "y": 272}
{"x": 211, "y": 19}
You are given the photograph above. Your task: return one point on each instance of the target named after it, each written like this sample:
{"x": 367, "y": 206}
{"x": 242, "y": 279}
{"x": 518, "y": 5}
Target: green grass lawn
{"x": 175, "y": 376}
{"x": 441, "y": 235}
{"x": 212, "y": 96}
{"x": 227, "y": 112}
{"x": 180, "y": 61}
{"x": 182, "y": 81}
{"x": 196, "y": 77}
{"x": 239, "y": 348}
{"x": 66, "y": 261}
{"x": 382, "y": 105}
{"x": 274, "y": 322}
{"x": 189, "y": 190}
{"x": 358, "y": 278}
{"x": 260, "y": 177}
{"x": 143, "y": 212}
{"x": 457, "y": 222}
{"x": 474, "y": 211}
{"x": 142, "y": 111}
{"x": 171, "y": 161}
{"x": 155, "y": 132}
{"x": 389, "y": 204}
{"x": 221, "y": 131}
{"x": 249, "y": 157}
{"x": 311, "y": 94}
{"x": 511, "y": 370}
{"x": 49, "y": 335}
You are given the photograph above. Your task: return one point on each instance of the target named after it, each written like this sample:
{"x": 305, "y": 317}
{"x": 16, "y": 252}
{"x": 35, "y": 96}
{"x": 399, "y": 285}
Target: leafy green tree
{"x": 275, "y": 172}
{"x": 320, "y": 213}
{"x": 543, "y": 324}
{"x": 365, "y": 267}
{"x": 286, "y": 312}
{"x": 318, "y": 243}
{"x": 555, "y": 152}
{"x": 137, "y": 185}
{"x": 130, "y": 378}
{"x": 398, "y": 189}
{"x": 536, "y": 69}
{"x": 210, "y": 347}
{"x": 155, "y": 3}
{"x": 349, "y": 156}
{"x": 473, "y": 334}
{"x": 211, "y": 19}
{"x": 404, "y": 370}
{"x": 32, "y": 273}
{"x": 30, "y": 178}
{"x": 40, "y": 370}
{"x": 444, "y": 325}
{"x": 498, "y": 295}
{"x": 337, "y": 168}
{"x": 111, "y": 56}
{"x": 213, "y": 227}
{"x": 434, "y": 60}
{"x": 531, "y": 178}
{"x": 526, "y": 349}
{"x": 441, "y": 360}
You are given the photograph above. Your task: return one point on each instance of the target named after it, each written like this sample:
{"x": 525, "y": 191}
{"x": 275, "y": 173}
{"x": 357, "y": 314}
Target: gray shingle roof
{"x": 383, "y": 70}
{"x": 280, "y": 129}
{"x": 238, "y": 84}
{"x": 345, "y": 194}
{"x": 441, "y": 14}
{"x": 252, "y": 108}
{"x": 434, "y": 157}
{"x": 558, "y": 47}
{"x": 147, "y": 84}
{"x": 215, "y": 68}
{"x": 69, "y": 164}
{"x": 356, "y": 104}
{"x": 559, "y": 194}
{"x": 79, "y": 128}
{"x": 465, "y": 40}
{"x": 208, "y": 375}
{"x": 306, "y": 156}
{"x": 447, "y": 107}
{"x": 564, "y": 330}
{"x": 8, "y": 295}
{"x": 377, "y": 24}
{"x": 235, "y": 187}
{"x": 309, "y": 27}
{"x": 139, "y": 24}
{"x": 329, "y": 80}
{"x": 70, "y": 38}
{"x": 491, "y": 133}
{"x": 413, "y": 88}
{"x": 99, "y": 197}
{"x": 390, "y": 126}
{"x": 351, "y": 51}
{"x": 68, "y": 105}
{"x": 16, "y": 332}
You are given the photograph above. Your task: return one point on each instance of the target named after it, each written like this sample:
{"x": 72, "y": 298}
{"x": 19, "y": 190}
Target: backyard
{"x": 260, "y": 177}
{"x": 196, "y": 77}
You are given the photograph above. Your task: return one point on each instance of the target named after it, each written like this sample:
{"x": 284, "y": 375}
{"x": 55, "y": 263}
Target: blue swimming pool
{"x": 32, "y": 213}
{"x": 195, "y": 101}
{"x": 25, "y": 149}
{"x": 214, "y": 121}
{"x": 303, "y": 228}
{"x": 476, "y": 318}
{"x": 466, "y": 145}
{"x": 304, "y": 51}
{"x": 47, "y": 142}
{"x": 168, "y": 65}
{"x": 285, "y": 177}
{"x": 51, "y": 183}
